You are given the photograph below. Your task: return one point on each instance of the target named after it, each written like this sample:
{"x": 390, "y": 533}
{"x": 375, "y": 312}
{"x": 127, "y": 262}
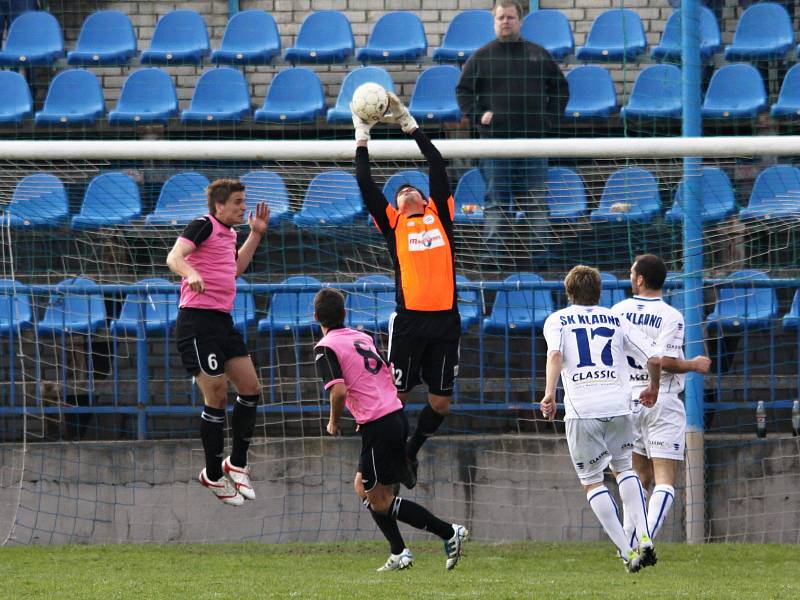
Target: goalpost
{"x": 99, "y": 418}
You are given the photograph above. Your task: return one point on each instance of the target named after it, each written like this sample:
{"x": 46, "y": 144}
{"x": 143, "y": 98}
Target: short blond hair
{"x": 583, "y": 285}
{"x": 507, "y": 4}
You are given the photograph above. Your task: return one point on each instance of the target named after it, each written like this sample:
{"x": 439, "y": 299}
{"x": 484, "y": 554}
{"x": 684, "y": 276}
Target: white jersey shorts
{"x": 660, "y": 431}
{"x": 596, "y": 443}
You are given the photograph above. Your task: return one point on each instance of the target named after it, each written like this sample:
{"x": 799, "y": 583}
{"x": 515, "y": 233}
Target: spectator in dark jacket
{"x": 512, "y": 88}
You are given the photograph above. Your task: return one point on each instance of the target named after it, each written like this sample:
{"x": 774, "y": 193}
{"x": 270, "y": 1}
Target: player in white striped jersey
{"x": 588, "y": 346}
{"x": 660, "y": 430}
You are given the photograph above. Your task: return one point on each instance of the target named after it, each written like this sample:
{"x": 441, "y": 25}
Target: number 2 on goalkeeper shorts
{"x": 398, "y": 376}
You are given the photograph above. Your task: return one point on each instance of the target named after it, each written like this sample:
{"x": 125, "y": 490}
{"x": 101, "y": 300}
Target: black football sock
{"x": 389, "y": 529}
{"x": 243, "y": 422}
{"x": 212, "y": 432}
{"x": 427, "y": 424}
{"x": 420, "y": 517}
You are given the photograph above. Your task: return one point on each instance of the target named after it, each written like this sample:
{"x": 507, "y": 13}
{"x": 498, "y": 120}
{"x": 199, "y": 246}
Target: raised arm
{"x": 437, "y": 173}
{"x": 373, "y": 197}
{"x": 699, "y": 364}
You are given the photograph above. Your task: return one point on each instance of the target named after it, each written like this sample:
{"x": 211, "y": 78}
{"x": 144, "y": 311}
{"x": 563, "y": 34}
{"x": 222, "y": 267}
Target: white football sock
{"x": 606, "y": 510}
{"x": 633, "y": 501}
{"x": 659, "y": 507}
{"x": 628, "y": 526}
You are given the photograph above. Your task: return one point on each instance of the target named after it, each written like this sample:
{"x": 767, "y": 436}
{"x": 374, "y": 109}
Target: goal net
{"x": 100, "y": 422}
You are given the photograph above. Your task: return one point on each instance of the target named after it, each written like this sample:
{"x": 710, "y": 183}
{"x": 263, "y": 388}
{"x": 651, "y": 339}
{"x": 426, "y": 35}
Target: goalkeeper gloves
{"x": 399, "y": 114}
{"x": 362, "y": 128}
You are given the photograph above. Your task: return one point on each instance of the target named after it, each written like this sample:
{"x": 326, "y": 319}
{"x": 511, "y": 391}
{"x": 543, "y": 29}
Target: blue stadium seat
{"x": 609, "y": 296}
{"x": 634, "y": 191}
{"x": 716, "y": 198}
{"x": 396, "y": 37}
{"x": 15, "y": 307}
{"x": 674, "y": 295}
{"x": 159, "y": 311}
{"x": 182, "y": 198}
{"x": 566, "y": 195}
{"x": 267, "y": 186}
{"x": 791, "y": 320}
{"x": 416, "y": 178}
{"x": 551, "y": 30}
{"x": 341, "y": 112}
{"x": 148, "y": 96}
{"x": 775, "y": 195}
{"x": 16, "y": 103}
{"x": 110, "y": 199}
{"x": 470, "y": 197}
{"x": 106, "y": 38}
{"x": 73, "y": 310}
{"x": 468, "y": 31}
{"x": 251, "y": 38}
{"x": 735, "y": 91}
{"x": 75, "y": 97}
{"x": 244, "y": 308}
{"x": 370, "y": 310}
{"x": 591, "y": 93}
{"x": 221, "y": 94}
{"x": 670, "y": 46}
{"x": 324, "y": 37}
{"x": 656, "y": 94}
{"x": 332, "y": 198}
{"x": 434, "y": 96}
{"x": 519, "y": 311}
{"x": 764, "y": 32}
{"x": 291, "y": 311}
{"x": 180, "y": 37}
{"x": 744, "y": 307}
{"x": 34, "y": 39}
{"x": 616, "y": 35}
{"x": 294, "y": 95}
{"x": 470, "y": 304}
{"x": 788, "y": 103}
{"x": 39, "y": 202}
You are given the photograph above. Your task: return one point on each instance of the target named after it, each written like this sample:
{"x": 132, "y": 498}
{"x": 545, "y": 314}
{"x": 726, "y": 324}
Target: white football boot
{"x": 397, "y": 562}
{"x": 223, "y": 489}
{"x": 240, "y": 476}
{"x": 452, "y": 547}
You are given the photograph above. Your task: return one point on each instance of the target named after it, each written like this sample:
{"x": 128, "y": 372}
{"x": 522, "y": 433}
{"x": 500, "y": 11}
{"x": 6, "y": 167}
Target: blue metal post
{"x": 693, "y": 272}
{"x": 142, "y": 374}
{"x": 233, "y": 7}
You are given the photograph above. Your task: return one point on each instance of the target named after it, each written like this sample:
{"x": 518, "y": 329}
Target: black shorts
{"x": 425, "y": 348}
{"x": 206, "y": 340}
{"x": 383, "y": 450}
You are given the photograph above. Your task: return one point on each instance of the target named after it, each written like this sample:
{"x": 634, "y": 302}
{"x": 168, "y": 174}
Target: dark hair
{"x": 507, "y": 4}
{"x": 653, "y": 269}
{"x": 583, "y": 285}
{"x": 219, "y": 191}
{"x": 404, "y": 186}
{"x": 329, "y": 308}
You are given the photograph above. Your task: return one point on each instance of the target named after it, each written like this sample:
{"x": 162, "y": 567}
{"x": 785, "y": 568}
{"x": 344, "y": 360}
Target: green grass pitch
{"x": 347, "y": 571}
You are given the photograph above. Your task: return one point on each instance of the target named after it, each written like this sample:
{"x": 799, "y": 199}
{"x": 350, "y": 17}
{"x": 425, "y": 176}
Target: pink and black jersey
{"x": 348, "y": 356}
{"x": 214, "y": 257}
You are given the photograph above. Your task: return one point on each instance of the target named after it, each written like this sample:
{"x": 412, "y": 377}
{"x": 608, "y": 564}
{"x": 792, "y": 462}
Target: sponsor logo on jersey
{"x": 425, "y": 240}
{"x": 658, "y": 443}
{"x": 627, "y": 445}
{"x": 428, "y": 219}
{"x": 595, "y": 375}
{"x": 579, "y": 465}
{"x": 676, "y": 446}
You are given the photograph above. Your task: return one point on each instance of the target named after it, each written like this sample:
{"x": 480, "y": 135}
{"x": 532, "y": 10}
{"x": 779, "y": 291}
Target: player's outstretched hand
{"x": 398, "y": 113}
{"x": 648, "y": 396}
{"x": 548, "y": 406}
{"x": 362, "y": 127}
{"x": 701, "y": 364}
{"x": 333, "y": 429}
{"x": 195, "y": 282}
{"x": 259, "y": 221}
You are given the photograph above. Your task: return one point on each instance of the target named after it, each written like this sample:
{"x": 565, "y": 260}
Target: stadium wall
{"x": 502, "y": 487}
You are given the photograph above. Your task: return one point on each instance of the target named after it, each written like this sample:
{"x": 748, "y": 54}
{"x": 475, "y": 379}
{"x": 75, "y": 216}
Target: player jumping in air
{"x": 357, "y": 377}
{"x": 660, "y": 431}
{"x": 425, "y": 330}
{"x": 588, "y": 347}
{"x": 211, "y": 348}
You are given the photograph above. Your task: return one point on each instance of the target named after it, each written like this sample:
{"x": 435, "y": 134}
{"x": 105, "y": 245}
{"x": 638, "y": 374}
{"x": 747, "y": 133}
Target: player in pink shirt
{"x": 358, "y": 377}
{"x": 212, "y": 349}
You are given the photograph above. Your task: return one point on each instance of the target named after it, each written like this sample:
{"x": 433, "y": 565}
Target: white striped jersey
{"x": 595, "y": 345}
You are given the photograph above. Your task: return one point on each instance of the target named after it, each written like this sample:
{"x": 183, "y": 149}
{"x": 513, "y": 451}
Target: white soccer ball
{"x": 370, "y": 102}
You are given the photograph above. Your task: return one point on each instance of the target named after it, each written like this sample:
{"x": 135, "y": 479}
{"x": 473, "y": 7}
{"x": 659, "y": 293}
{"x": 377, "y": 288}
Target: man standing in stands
{"x": 211, "y": 348}
{"x": 512, "y": 88}
{"x": 425, "y": 330}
